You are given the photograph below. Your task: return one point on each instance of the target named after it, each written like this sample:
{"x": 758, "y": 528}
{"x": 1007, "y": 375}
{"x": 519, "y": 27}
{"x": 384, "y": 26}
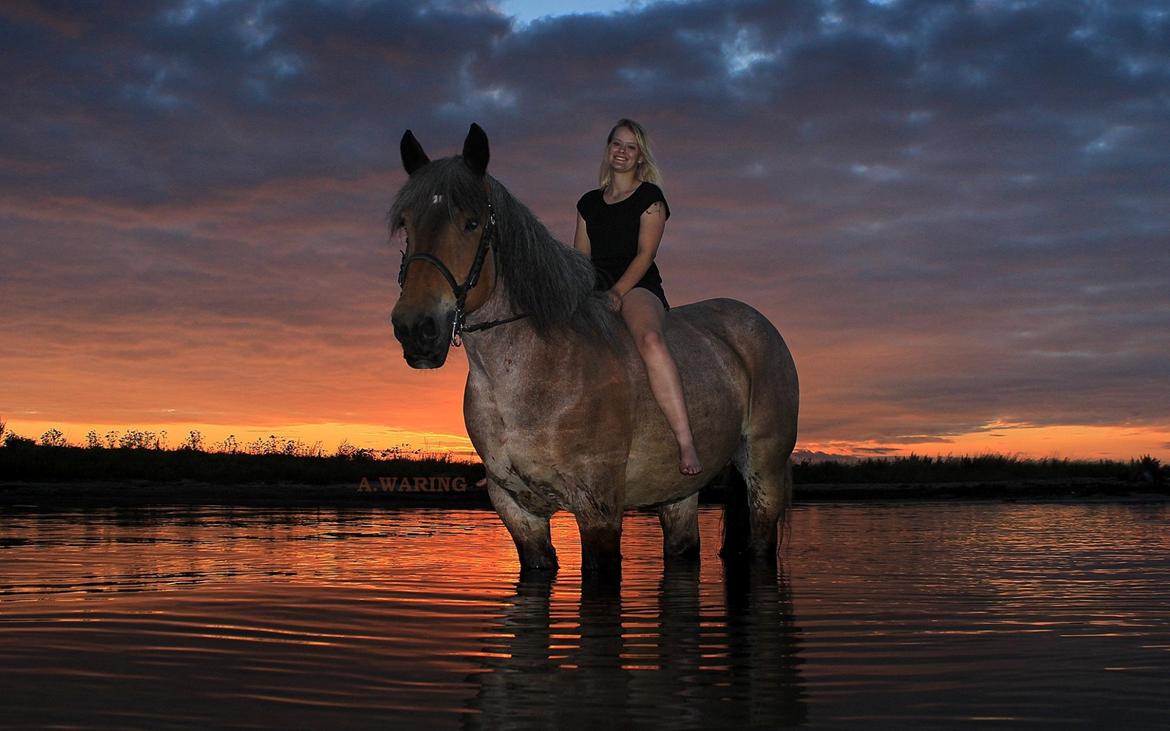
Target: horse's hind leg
{"x": 530, "y": 532}
{"x": 680, "y": 530}
{"x": 765, "y": 468}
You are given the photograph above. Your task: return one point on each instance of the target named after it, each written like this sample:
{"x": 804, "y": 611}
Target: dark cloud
{"x": 957, "y": 211}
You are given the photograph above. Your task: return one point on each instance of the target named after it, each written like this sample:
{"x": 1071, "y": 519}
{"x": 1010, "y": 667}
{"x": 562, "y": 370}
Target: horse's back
{"x": 742, "y": 329}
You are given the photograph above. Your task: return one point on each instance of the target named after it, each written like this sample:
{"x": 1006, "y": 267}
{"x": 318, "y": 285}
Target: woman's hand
{"x": 613, "y": 300}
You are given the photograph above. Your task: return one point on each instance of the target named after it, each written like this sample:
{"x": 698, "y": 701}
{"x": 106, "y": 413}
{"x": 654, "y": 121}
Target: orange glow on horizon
{"x": 1034, "y": 442}
{"x": 328, "y": 436}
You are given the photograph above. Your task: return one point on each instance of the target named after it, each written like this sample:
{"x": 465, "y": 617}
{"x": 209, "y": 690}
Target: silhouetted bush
{"x": 1148, "y": 469}
{"x": 53, "y": 438}
{"x": 14, "y": 441}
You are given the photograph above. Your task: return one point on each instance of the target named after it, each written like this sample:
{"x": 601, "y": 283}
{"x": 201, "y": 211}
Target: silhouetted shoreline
{"x": 97, "y": 493}
{"x": 65, "y": 476}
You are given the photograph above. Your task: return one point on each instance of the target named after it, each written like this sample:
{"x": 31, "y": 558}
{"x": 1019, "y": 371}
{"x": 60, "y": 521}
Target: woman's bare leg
{"x": 645, "y": 317}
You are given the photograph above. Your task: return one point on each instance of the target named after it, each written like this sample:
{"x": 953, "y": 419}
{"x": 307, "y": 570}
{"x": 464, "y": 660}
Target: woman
{"x": 620, "y": 226}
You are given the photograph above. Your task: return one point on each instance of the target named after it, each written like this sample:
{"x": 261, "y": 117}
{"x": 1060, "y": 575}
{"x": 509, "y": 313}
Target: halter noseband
{"x": 460, "y": 290}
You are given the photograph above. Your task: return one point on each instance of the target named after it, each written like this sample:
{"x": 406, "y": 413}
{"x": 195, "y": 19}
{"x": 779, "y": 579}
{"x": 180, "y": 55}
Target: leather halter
{"x": 460, "y": 291}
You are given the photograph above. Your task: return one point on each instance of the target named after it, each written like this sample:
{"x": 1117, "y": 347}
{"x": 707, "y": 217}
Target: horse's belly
{"x": 652, "y": 476}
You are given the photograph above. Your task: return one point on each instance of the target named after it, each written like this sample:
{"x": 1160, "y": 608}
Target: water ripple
{"x": 958, "y": 614}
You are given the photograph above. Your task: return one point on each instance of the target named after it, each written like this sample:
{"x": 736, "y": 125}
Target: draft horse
{"x": 557, "y": 402}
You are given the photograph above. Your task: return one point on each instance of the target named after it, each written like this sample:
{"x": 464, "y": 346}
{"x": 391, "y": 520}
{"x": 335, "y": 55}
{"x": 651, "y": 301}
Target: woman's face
{"x": 624, "y": 154}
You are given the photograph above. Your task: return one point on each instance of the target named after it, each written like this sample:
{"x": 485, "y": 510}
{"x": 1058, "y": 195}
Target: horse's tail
{"x": 737, "y": 528}
{"x": 786, "y": 513}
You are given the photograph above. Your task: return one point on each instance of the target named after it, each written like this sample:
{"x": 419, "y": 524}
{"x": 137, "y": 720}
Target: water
{"x": 890, "y": 615}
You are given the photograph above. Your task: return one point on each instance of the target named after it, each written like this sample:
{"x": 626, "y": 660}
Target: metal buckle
{"x": 457, "y": 328}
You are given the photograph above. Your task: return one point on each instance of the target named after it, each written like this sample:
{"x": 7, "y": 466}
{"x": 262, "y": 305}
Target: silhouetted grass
{"x": 37, "y": 463}
{"x": 140, "y": 455}
{"x": 24, "y": 461}
{"x": 982, "y": 468}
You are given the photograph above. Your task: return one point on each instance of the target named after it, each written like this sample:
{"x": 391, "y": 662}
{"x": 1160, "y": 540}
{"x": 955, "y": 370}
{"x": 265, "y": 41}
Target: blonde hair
{"x": 647, "y": 170}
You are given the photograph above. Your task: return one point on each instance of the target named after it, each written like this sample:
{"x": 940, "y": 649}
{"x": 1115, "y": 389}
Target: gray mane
{"x": 550, "y": 282}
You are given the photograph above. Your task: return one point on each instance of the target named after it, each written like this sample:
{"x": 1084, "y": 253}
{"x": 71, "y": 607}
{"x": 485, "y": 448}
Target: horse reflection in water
{"x": 684, "y": 666}
{"x": 557, "y": 402}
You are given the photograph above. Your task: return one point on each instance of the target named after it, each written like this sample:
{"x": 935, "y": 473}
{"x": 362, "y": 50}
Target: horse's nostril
{"x": 423, "y": 331}
{"x": 427, "y": 328}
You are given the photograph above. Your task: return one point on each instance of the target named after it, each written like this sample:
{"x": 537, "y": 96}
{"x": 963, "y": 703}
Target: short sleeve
{"x": 653, "y": 194}
{"x": 585, "y": 204}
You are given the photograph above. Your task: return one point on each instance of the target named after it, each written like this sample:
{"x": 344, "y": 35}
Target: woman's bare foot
{"x": 688, "y": 460}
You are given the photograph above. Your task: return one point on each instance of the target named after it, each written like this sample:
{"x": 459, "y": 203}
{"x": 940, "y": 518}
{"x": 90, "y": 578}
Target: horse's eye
{"x": 471, "y": 224}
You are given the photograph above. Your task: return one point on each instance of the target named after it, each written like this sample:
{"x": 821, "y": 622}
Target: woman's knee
{"x": 651, "y": 341}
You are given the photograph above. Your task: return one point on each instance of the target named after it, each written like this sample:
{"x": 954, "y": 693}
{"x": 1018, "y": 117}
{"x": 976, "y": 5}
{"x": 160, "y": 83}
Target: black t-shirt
{"x": 613, "y": 232}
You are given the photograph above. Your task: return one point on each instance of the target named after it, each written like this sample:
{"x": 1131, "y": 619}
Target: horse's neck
{"x": 497, "y": 307}
{"x": 486, "y": 349}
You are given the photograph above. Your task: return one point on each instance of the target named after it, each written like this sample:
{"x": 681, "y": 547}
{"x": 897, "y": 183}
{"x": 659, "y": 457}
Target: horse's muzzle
{"x": 425, "y": 339}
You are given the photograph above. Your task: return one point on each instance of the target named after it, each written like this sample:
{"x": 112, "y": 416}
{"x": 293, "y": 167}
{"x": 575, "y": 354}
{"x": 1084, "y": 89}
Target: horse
{"x": 557, "y": 402}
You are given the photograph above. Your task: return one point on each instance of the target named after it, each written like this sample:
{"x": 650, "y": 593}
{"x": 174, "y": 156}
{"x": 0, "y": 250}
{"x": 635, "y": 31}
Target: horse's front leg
{"x": 599, "y": 518}
{"x": 601, "y": 546}
{"x": 530, "y": 532}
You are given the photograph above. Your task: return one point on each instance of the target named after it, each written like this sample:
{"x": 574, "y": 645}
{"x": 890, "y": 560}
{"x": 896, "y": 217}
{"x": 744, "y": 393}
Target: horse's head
{"x": 445, "y": 211}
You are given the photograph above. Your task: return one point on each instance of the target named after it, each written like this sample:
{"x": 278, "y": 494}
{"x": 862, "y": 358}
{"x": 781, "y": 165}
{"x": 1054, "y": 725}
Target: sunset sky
{"x": 957, "y": 213}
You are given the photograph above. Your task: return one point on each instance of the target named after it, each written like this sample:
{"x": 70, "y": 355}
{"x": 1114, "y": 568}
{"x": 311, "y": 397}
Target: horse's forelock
{"x": 450, "y": 179}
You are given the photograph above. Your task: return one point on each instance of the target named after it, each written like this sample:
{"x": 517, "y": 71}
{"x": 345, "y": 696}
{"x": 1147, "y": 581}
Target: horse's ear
{"x": 475, "y": 150}
{"x": 413, "y": 156}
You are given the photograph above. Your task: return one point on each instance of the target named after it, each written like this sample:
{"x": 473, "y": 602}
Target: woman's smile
{"x": 623, "y": 151}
